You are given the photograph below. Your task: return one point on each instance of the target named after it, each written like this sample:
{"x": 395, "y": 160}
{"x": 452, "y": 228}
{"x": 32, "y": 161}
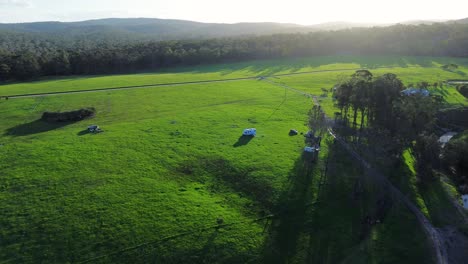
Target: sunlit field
{"x": 171, "y": 180}
{"x": 314, "y": 73}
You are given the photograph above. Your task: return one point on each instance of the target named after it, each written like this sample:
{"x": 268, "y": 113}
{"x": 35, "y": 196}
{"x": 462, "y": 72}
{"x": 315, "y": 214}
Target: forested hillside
{"x": 157, "y": 29}
{"x": 29, "y": 55}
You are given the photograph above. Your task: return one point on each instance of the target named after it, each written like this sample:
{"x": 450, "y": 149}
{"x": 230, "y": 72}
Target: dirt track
{"x": 437, "y": 239}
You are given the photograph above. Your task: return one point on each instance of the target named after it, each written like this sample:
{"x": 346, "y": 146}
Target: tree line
{"x": 376, "y": 112}
{"x": 26, "y": 55}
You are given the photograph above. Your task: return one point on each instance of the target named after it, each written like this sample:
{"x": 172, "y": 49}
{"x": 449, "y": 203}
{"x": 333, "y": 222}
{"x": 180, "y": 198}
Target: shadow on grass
{"x": 320, "y": 219}
{"x": 83, "y": 132}
{"x": 460, "y": 73}
{"x": 209, "y": 248}
{"x": 242, "y": 141}
{"x": 292, "y": 65}
{"x": 198, "y": 248}
{"x": 226, "y": 177}
{"x": 428, "y": 194}
{"x": 441, "y": 91}
{"x": 34, "y": 127}
{"x": 291, "y": 220}
{"x": 441, "y": 210}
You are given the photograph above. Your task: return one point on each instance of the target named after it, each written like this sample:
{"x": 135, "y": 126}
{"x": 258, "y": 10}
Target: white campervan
{"x": 250, "y": 132}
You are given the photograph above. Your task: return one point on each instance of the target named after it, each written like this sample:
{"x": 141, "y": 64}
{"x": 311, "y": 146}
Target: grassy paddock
{"x": 411, "y": 69}
{"x": 171, "y": 166}
{"x": 129, "y": 184}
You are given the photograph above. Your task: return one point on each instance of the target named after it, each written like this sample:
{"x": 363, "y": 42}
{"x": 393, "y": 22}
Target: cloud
{"x": 15, "y": 3}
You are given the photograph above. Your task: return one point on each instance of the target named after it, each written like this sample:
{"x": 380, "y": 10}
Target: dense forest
{"x": 29, "y": 55}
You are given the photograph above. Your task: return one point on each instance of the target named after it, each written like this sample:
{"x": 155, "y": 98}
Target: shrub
{"x": 450, "y": 67}
{"x": 71, "y": 116}
{"x": 455, "y": 156}
{"x": 463, "y": 89}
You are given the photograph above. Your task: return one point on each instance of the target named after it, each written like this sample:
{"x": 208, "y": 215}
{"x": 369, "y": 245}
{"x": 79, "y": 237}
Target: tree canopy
{"x": 28, "y": 55}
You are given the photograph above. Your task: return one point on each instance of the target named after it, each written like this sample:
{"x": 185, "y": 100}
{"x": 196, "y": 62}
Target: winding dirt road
{"x": 435, "y": 237}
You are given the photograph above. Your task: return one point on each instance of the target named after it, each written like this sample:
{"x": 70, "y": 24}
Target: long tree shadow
{"x": 441, "y": 210}
{"x": 291, "y": 212}
{"x": 335, "y": 226}
{"x": 83, "y": 132}
{"x": 242, "y": 141}
{"x": 319, "y": 219}
{"x": 34, "y": 127}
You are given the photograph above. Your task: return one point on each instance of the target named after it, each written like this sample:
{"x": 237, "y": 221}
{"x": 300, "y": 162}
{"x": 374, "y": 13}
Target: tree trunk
{"x": 363, "y": 112}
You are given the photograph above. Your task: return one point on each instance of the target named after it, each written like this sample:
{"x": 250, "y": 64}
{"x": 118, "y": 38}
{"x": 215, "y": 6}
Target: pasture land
{"x": 324, "y": 72}
{"x": 170, "y": 179}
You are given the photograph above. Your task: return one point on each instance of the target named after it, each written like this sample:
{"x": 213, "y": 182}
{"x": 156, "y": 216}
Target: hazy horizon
{"x": 237, "y": 22}
{"x": 300, "y": 12}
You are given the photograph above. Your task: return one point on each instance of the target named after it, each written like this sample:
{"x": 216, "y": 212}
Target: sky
{"x": 306, "y": 12}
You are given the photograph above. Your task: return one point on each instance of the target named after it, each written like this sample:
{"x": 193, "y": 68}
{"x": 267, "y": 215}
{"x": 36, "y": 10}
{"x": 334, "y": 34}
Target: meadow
{"x": 324, "y": 73}
{"x": 171, "y": 179}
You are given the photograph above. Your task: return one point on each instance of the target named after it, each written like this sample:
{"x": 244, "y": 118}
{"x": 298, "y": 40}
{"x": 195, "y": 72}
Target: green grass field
{"x": 171, "y": 166}
{"x": 325, "y": 72}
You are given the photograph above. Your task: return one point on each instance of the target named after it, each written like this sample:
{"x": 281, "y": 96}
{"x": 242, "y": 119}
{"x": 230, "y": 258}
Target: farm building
{"x": 415, "y": 91}
{"x": 445, "y": 138}
{"x": 465, "y": 201}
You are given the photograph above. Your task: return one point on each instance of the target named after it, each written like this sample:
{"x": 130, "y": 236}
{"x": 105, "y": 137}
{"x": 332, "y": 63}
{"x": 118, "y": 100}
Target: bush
{"x": 427, "y": 152}
{"x": 463, "y": 89}
{"x": 455, "y": 156}
{"x": 71, "y": 116}
{"x": 450, "y": 67}
{"x": 453, "y": 118}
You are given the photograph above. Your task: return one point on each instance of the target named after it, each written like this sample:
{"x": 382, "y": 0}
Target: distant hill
{"x": 422, "y": 22}
{"x": 339, "y": 25}
{"x": 172, "y": 29}
{"x": 155, "y": 29}
{"x": 459, "y": 21}
{"x": 130, "y": 45}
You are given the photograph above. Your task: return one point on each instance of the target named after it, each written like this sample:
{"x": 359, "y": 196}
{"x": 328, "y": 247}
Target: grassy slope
{"x": 323, "y": 223}
{"x": 434, "y": 199}
{"x": 401, "y": 66}
{"x": 123, "y": 187}
{"x": 166, "y": 163}
{"x": 313, "y": 83}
